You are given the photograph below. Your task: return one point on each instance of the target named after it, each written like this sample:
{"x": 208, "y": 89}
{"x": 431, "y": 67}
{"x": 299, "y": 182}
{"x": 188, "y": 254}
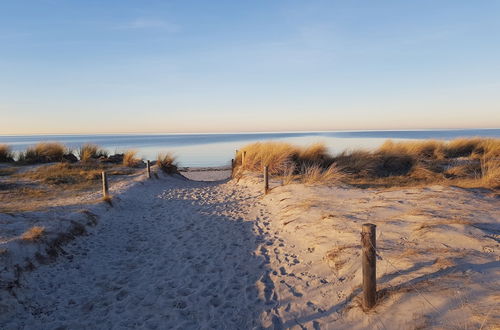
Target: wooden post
{"x": 232, "y": 167}
{"x": 266, "y": 179}
{"x": 105, "y": 190}
{"x": 148, "y": 164}
{"x": 369, "y": 262}
{"x": 243, "y": 156}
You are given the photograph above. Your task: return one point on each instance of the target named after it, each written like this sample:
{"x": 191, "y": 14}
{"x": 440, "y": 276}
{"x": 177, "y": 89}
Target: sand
{"x": 176, "y": 253}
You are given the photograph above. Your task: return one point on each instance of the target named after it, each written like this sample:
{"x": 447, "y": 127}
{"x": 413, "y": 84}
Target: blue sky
{"x": 214, "y": 66}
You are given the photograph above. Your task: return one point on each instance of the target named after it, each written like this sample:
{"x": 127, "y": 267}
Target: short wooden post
{"x": 266, "y": 179}
{"x": 105, "y": 190}
{"x": 369, "y": 262}
{"x": 243, "y": 156}
{"x": 148, "y": 164}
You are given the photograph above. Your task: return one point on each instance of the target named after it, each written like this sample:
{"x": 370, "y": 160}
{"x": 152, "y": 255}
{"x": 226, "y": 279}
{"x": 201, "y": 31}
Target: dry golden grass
{"x": 167, "y": 163}
{"x": 45, "y": 152}
{"x": 6, "y": 154}
{"x": 490, "y": 173}
{"x": 276, "y": 155}
{"x": 462, "y": 147}
{"x": 315, "y": 174}
{"x": 130, "y": 159}
{"x": 63, "y": 173}
{"x": 463, "y": 162}
{"x": 89, "y": 151}
{"x": 33, "y": 234}
{"x": 426, "y": 149}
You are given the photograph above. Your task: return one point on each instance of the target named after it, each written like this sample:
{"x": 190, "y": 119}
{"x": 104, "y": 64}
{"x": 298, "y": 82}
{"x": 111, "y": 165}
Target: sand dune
{"x": 175, "y": 253}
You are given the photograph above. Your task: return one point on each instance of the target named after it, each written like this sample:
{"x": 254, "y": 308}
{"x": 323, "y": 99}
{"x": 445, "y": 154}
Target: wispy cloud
{"x": 149, "y": 23}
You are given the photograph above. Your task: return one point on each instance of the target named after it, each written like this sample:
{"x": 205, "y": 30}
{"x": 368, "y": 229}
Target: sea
{"x": 204, "y": 150}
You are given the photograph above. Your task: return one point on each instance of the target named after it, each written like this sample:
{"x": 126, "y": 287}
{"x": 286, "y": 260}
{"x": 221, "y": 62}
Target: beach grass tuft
{"x": 130, "y": 159}
{"x": 89, "y": 152}
{"x": 33, "y": 234}
{"x": 44, "y": 152}
{"x": 6, "y": 154}
{"x": 473, "y": 162}
{"x": 167, "y": 163}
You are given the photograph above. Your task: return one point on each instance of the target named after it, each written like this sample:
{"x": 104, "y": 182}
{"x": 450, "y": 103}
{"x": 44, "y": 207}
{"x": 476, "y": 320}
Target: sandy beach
{"x": 178, "y": 253}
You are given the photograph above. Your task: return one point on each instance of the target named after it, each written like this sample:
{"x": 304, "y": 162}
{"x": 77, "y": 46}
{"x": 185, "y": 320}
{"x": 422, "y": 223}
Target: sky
{"x": 123, "y": 66}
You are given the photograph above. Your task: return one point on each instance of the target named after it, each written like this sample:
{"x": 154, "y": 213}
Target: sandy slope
{"x": 170, "y": 254}
{"x": 439, "y": 256}
{"x": 174, "y": 253}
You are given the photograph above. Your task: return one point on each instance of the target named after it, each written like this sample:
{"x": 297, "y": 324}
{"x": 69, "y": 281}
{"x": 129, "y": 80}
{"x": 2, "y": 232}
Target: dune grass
{"x": 44, "y": 152}
{"x": 130, "y": 159}
{"x": 71, "y": 174}
{"x": 6, "y": 154}
{"x": 471, "y": 162}
{"x": 33, "y": 234}
{"x": 63, "y": 173}
{"x": 167, "y": 163}
{"x": 89, "y": 151}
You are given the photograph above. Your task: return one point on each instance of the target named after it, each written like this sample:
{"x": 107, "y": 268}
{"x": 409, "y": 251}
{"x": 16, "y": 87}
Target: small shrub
{"x": 89, "y": 152}
{"x": 6, "y": 154}
{"x": 167, "y": 163}
{"x": 33, "y": 234}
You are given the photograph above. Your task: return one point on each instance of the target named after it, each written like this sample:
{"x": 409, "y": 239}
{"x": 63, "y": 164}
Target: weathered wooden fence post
{"x": 266, "y": 179}
{"x": 148, "y": 164}
{"x": 369, "y": 262}
{"x": 243, "y": 156}
{"x": 105, "y": 190}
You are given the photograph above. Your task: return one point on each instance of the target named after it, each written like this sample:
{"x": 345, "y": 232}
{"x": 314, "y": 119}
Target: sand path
{"x": 171, "y": 253}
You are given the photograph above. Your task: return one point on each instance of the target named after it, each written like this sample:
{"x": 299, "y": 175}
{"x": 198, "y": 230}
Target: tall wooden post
{"x": 369, "y": 261}
{"x": 148, "y": 164}
{"x": 266, "y": 179}
{"x": 243, "y": 156}
{"x": 105, "y": 190}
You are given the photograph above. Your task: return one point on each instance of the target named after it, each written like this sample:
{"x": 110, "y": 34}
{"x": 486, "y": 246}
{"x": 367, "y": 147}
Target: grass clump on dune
{"x": 280, "y": 156}
{"x": 167, "y": 163}
{"x": 6, "y": 154}
{"x": 33, "y": 234}
{"x": 90, "y": 151}
{"x": 466, "y": 162}
{"x": 130, "y": 159}
{"x": 63, "y": 173}
{"x": 44, "y": 152}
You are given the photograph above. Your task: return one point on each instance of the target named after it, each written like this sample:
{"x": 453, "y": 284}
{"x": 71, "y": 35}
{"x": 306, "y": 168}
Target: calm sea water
{"x": 218, "y": 149}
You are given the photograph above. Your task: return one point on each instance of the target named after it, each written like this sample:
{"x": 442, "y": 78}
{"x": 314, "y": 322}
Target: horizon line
{"x": 254, "y": 132}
